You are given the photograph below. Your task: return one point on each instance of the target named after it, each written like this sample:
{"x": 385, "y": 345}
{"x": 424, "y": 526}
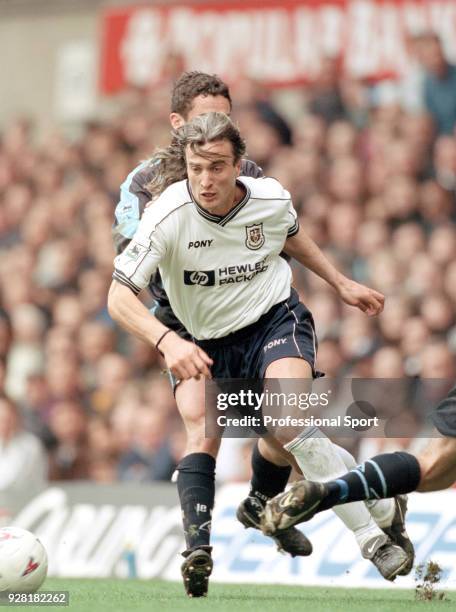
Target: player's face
{"x": 200, "y": 106}
{"x": 213, "y": 178}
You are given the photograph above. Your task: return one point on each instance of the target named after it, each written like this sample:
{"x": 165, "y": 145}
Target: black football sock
{"x": 196, "y": 488}
{"x": 268, "y": 479}
{"x": 382, "y": 476}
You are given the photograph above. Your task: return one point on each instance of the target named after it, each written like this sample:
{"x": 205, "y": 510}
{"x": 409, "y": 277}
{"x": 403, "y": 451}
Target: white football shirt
{"x": 220, "y": 273}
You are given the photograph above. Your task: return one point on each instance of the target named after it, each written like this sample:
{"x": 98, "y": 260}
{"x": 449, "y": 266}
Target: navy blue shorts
{"x": 444, "y": 416}
{"x": 287, "y": 330}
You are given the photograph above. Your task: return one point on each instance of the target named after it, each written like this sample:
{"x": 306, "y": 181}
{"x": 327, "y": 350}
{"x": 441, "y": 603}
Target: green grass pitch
{"x": 157, "y": 595}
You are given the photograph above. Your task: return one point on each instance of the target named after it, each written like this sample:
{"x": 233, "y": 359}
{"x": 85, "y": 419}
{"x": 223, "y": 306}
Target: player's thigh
{"x": 290, "y": 367}
{"x": 438, "y": 464}
{"x": 190, "y": 400}
{"x": 279, "y": 375}
{"x": 287, "y": 416}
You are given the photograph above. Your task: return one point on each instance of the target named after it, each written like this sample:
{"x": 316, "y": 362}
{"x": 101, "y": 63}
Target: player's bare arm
{"x": 185, "y": 359}
{"x": 302, "y": 248}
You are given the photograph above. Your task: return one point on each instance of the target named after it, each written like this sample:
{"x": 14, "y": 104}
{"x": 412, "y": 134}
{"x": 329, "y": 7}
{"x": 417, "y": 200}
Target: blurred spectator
{"x": 35, "y": 408}
{"x": 330, "y": 359}
{"x": 112, "y": 373}
{"x": 435, "y": 204}
{"x": 439, "y": 85}
{"x": 437, "y": 361}
{"x": 23, "y": 462}
{"x": 69, "y": 459}
{"x": 26, "y": 353}
{"x": 252, "y": 97}
{"x": 149, "y": 457}
{"x": 445, "y": 161}
{"x": 325, "y": 97}
{"x": 103, "y": 455}
{"x": 437, "y": 312}
{"x": 95, "y": 339}
{"x": 415, "y": 335}
{"x": 5, "y": 334}
{"x": 437, "y": 374}
{"x": 411, "y": 85}
{"x": 123, "y": 417}
{"x": 396, "y": 313}
{"x": 387, "y": 363}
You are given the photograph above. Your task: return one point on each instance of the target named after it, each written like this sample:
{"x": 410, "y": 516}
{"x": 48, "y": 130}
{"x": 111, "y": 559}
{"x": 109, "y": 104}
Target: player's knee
{"x": 274, "y": 453}
{"x": 438, "y": 465}
{"x": 427, "y": 469}
{"x": 285, "y": 435}
{"x": 433, "y": 477}
{"x": 198, "y": 443}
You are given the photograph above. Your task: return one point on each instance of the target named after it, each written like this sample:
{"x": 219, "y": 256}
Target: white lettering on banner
{"x": 332, "y": 21}
{"x": 183, "y": 39}
{"x": 444, "y": 15}
{"x": 77, "y": 549}
{"x": 236, "y": 33}
{"x": 308, "y": 50}
{"x": 279, "y": 55}
{"x": 362, "y": 52}
{"x": 278, "y": 44}
{"x": 141, "y": 49}
{"x": 414, "y": 17}
{"x": 89, "y": 540}
{"x": 161, "y": 542}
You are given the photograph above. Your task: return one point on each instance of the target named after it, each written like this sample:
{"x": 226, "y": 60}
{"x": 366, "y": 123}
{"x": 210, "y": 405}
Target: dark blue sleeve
{"x": 250, "y": 168}
{"x": 134, "y": 196}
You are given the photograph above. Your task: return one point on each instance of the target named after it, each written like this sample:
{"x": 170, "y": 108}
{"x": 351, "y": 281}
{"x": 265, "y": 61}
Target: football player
{"x": 218, "y": 239}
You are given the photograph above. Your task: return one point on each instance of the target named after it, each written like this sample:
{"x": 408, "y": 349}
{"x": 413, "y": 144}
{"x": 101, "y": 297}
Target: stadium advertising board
{"x": 280, "y": 42}
{"x": 121, "y": 531}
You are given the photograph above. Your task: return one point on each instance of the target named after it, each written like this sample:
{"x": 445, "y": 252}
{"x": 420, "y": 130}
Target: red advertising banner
{"x": 281, "y": 43}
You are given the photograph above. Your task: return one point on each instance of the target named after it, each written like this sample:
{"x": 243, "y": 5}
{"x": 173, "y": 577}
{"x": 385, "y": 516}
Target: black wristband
{"x": 160, "y": 339}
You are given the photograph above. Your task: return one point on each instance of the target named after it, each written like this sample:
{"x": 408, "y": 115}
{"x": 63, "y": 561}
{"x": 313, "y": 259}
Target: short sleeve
{"x": 135, "y": 266}
{"x": 293, "y": 227}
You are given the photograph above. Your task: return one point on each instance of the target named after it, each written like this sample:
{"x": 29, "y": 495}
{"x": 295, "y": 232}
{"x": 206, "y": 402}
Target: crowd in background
{"x": 372, "y": 173}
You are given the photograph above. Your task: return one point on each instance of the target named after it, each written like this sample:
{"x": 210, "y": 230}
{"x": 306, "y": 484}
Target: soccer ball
{"x": 23, "y": 561}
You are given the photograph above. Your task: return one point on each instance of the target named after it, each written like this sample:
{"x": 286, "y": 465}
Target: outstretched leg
{"x": 320, "y": 460}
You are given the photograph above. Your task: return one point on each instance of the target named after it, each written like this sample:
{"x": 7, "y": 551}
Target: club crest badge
{"x": 255, "y": 237}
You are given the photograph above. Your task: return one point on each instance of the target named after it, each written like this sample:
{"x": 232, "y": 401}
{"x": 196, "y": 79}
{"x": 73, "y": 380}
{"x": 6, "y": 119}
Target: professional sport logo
{"x": 204, "y": 278}
{"x": 255, "y": 237}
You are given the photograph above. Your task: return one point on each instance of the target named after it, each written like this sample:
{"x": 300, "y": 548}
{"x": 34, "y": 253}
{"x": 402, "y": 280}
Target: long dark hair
{"x": 170, "y": 161}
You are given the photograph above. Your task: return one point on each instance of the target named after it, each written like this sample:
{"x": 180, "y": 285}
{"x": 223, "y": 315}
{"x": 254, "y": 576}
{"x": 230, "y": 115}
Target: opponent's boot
{"x": 292, "y": 540}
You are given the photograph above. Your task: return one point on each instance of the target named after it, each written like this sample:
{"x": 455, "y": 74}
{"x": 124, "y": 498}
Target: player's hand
{"x": 368, "y": 300}
{"x": 185, "y": 359}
